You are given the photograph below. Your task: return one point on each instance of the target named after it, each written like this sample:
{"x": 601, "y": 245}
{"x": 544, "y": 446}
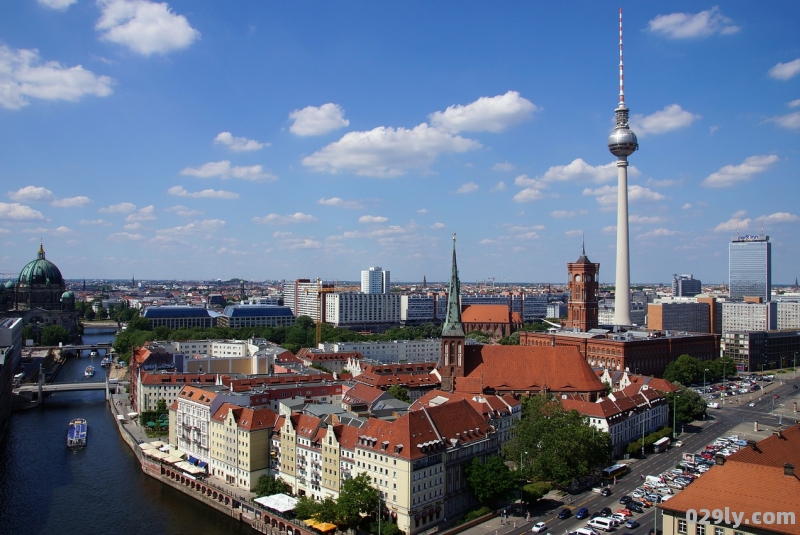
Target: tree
{"x": 52, "y": 335}
{"x": 556, "y": 445}
{"x": 269, "y": 485}
{"x": 479, "y": 336}
{"x": 399, "y": 392}
{"x": 533, "y": 492}
{"x": 306, "y": 508}
{"x": 491, "y": 481}
{"x": 161, "y": 405}
{"x": 357, "y": 496}
{"x": 28, "y": 333}
{"x": 689, "y": 405}
{"x": 510, "y": 340}
{"x": 686, "y": 370}
{"x": 139, "y": 324}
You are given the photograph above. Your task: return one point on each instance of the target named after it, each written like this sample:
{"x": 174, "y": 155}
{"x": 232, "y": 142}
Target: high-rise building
{"x": 622, "y": 143}
{"x": 583, "y": 287}
{"x": 750, "y": 267}
{"x": 375, "y": 281}
{"x": 685, "y": 286}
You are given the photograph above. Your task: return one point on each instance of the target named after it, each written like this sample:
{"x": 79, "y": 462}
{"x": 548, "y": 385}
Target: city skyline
{"x": 283, "y": 142}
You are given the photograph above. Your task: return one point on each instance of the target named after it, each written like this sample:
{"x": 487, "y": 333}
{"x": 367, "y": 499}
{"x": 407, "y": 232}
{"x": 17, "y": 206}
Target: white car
{"x": 539, "y": 527}
{"x": 620, "y": 519}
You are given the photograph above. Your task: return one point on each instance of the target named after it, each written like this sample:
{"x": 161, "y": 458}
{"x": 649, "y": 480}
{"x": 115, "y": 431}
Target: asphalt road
{"x": 720, "y": 423}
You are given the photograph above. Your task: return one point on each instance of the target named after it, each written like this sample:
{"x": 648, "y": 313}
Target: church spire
{"x": 41, "y": 250}
{"x": 452, "y": 322}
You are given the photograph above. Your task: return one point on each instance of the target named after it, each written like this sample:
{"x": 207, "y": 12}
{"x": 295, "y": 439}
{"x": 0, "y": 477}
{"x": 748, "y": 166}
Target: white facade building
{"x": 749, "y": 316}
{"x": 788, "y": 314}
{"x": 358, "y": 309}
{"x": 301, "y": 297}
{"x": 394, "y": 351}
{"x": 375, "y": 281}
{"x": 193, "y": 418}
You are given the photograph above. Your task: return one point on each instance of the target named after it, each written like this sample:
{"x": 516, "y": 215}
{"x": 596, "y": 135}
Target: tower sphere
{"x": 622, "y": 141}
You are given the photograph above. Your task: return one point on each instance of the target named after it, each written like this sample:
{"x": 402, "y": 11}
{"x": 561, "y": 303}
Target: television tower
{"x": 622, "y": 143}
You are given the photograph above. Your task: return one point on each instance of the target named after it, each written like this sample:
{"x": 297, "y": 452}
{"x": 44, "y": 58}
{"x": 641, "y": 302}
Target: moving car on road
{"x": 539, "y": 527}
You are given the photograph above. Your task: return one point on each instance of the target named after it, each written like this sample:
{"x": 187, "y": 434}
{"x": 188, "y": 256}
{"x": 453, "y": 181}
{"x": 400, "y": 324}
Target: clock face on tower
{"x": 577, "y": 278}
{"x": 588, "y": 278}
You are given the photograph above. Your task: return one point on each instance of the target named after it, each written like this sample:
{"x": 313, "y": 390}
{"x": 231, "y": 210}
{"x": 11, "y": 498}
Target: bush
{"x": 533, "y": 492}
{"x": 477, "y": 513}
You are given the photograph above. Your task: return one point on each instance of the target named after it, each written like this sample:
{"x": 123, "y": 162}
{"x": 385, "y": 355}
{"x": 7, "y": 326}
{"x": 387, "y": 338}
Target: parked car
{"x": 625, "y": 499}
{"x": 631, "y": 524}
{"x": 605, "y": 511}
{"x": 635, "y": 508}
{"x": 564, "y": 513}
{"x": 625, "y": 512}
{"x": 539, "y": 527}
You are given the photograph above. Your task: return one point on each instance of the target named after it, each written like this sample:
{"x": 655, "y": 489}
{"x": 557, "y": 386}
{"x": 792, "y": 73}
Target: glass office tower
{"x": 750, "y": 267}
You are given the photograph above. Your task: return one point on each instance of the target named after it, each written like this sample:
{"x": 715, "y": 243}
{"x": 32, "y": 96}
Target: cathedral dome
{"x": 40, "y": 271}
{"x": 9, "y": 285}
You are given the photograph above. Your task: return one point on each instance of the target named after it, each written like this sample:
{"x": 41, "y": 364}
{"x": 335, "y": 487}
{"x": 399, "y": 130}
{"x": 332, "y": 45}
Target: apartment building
{"x": 683, "y": 314}
{"x": 192, "y": 422}
{"x": 307, "y": 298}
{"x": 375, "y": 281}
{"x": 788, "y": 314}
{"x": 352, "y": 309}
{"x": 392, "y": 351}
{"x": 154, "y": 387}
{"x": 749, "y": 316}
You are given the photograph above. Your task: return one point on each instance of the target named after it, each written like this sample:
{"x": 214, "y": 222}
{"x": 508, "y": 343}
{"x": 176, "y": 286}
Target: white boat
{"x": 93, "y": 353}
{"x": 106, "y": 362}
{"x": 89, "y": 372}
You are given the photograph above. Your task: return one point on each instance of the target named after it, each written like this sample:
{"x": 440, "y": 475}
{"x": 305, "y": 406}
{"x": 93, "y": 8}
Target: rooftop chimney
{"x": 788, "y": 469}
{"x": 720, "y": 459}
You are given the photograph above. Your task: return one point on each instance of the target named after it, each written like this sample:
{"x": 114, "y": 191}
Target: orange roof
{"x": 485, "y": 314}
{"x": 489, "y": 406}
{"x": 751, "y": 480}
{"x": 247, "y": 418}
{"x": 527, "y": 368}
{"x": 197, "y": 395}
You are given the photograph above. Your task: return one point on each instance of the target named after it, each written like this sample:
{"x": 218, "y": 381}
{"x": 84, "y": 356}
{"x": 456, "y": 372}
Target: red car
{"x": 776, "y": 396}
{"x": 625, "y": 512}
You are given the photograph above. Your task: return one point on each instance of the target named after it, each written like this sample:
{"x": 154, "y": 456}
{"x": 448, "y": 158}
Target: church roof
{"x": 485, "y": 314}
{"x": 526, "y": 368}
{"x": 452, "y": 325}
{"x": 40, "y": 271}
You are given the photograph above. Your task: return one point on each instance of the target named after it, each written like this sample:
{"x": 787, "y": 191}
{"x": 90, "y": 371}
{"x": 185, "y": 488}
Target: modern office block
{"x": 750, "y": 267}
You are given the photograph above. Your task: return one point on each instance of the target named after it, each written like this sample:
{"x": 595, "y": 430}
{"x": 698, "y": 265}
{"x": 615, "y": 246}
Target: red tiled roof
{"x": 362, "y": 393}
{"x": 410, "y": 437}
{"x": 485, "y": 314}
{"x": 527, "y": 368}
{"x": 458, "y": 422}
{"x": 197, "y": 395}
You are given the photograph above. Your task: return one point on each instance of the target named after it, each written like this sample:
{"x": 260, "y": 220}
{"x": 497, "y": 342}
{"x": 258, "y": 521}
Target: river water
{"x": 100, "y": 489}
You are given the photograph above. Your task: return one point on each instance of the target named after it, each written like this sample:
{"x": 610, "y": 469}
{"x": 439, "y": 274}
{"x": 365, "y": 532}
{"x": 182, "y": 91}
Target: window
{"x": 681, "y": 526}
{"x": 700, "y": 529}
{"x": 719, "y": 531}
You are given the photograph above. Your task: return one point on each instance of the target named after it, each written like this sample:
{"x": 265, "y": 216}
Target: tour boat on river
{"x": 89, "y": 372}
{"x": 76, "y": 433}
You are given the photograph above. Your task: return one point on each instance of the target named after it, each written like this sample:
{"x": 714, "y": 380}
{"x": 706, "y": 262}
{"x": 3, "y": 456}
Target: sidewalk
{"x": 499, "y": 526}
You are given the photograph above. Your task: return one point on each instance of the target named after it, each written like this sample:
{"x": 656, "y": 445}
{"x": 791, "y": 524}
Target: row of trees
{"x": 688, "y": 370}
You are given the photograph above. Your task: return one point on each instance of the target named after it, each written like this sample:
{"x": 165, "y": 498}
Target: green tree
{"x": 399, "y": 392}
{"x": 356, "y": 496}
{"x": 556, "y": 445}
{"x": 491, "y": 481}
{"x": 510, "y": 340}
{"x": 479, "y": 336}
{"x": 686, "y": 370}
{"x": 161, "y": 405}
{"x": 28, "y": 333}
{"x": 328, "y": 511}
{"x": 533, "y": 492}
{"x": 139, "y": 324}
{"x": 269, "y": 485}
{"x": 90, "y": 314}
{"x": 720, "y": 368}
{"x": 688, "y": 405}
{"x": 306, "y": 508}
{"x": 52, "y": 335}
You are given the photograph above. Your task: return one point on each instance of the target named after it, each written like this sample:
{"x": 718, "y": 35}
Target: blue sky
{"x": 207, "y": 139}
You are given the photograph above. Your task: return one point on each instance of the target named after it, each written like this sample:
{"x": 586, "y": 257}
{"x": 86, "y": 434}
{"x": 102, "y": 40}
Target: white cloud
{"x": 493, "y": 114}
{"x": 607, "y": 195}
{"x": 144, "y": 27}
{"x": 341, "y": 203}
{"x": 224, "y": 170}
{"x": 305, "y": 243}
{"x": 503, "y": 166}
{"x": 733, "y": 174}
{"x": 645, "y": 220}
{"x": 148, "y": 213}
{"x": 500, "y": 186}
{"x": 58, "y": 231}
{"x": 121, "y": 208}
{"x": 610, "y": 229}
{"x": 437, "y": 226}
{"x": 372, "y": 219}
{"x": 60, "y": 5}
{"x": 688, "y": 25}
{"x": 133, "y": 226}
{"x": 487, "y": 241}
{"x": 580, "y": 170}
{"x": 778, "y": 217}
{"x": 573, "y": 233}
{"x": 564, "y": 214}
{"x": 204, "y": 227}
{"x": 666, "y": 183}
{"x": 184, "y": 211}
{"x": 790, "y": 121}
{"x": 238, "y": 144}
{"x": 735, "y": 223}
{"x": 18, "y": 212}
{"x": 469, "y": 187}
{"x": 125, "y": 236}
{"x": 657, "y": 233}
{"x": 180, "y": 191}
{"x": 386, "y": 151}
{"x": 672, "y": 117}
{"x": 313, "y": 121}
{"x": 31, "y": 194}
{"x": 391, "y": 230}
{"x": 795, "y": 103}
{"x": 23, "y": 76}
{"x": 275, "y": 219}
{"x": 94, "y": 222}
{"x": 72, "y": 202}
{"x": 785, "y": 71}
{"x": 686, "y": 206}
{"x": 528, "y": 195}
{"x": 422, "y": 211}
{"x": 519, "y": 229}
{"x": 532, "y": 189}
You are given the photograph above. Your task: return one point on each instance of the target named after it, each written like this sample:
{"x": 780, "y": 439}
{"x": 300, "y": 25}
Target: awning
{"x": 158, "y": 443}
{"x": 133, "y": 414}
{"x": 191, "y": 460}
{"x": 278, "y": 502}
{"x": 202, "y": 464}
{"x": 325, "y": 526}
{"x": 172, "y": 459}
{"x": 120, "y": 417}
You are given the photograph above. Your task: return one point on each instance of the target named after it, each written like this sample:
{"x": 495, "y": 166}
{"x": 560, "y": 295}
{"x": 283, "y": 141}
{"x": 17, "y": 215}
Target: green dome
{"x": 40, "y": 271}
{"x": 9, "y": 285}
{"x": 68, "y": 295}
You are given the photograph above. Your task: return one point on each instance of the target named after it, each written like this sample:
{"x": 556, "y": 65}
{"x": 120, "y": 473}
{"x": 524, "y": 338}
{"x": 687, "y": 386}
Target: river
{"x": 47, "y": 489}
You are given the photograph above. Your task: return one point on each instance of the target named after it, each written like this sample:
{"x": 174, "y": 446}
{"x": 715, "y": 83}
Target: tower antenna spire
{"x": 621, "y": 72}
